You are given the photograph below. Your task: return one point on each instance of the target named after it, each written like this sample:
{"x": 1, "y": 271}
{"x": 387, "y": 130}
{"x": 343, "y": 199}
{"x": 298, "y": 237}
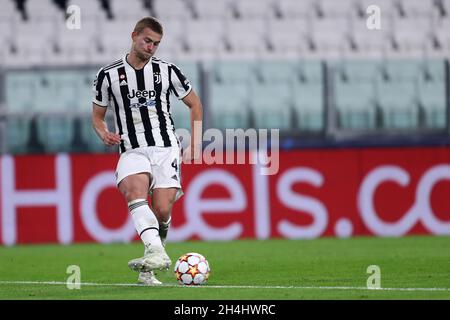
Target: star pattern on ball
{"x": 193, "y": 270}
{"x": 184, "y": 258}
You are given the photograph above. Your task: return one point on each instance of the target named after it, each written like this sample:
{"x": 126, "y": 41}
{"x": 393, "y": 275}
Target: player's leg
{"x": 162, "y": 203}
{"x": 166, "y": 188}
{"x": 134, "y": 188}
{"x": 133, "y": 176}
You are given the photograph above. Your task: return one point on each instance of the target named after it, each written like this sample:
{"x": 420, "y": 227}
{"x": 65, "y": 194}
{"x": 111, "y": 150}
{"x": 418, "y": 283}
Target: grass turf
{"x": 325, "y": 268}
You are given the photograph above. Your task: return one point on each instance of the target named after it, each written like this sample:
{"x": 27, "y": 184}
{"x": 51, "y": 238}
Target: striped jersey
{"x": 140, "y": 100}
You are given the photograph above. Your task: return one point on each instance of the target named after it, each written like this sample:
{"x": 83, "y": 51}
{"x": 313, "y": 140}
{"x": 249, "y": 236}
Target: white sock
{"x": 145, "y": 222}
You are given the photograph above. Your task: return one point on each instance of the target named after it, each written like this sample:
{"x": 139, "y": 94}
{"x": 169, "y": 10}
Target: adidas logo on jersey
{"x": 141, "y": 94}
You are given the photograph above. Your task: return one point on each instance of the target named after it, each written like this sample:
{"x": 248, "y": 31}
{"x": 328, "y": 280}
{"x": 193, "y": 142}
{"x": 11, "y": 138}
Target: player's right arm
{"x": 100, "y": 127}
{"x": 99, "y": 107}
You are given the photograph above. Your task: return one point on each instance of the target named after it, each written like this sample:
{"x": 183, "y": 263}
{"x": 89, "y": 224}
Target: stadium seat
{"x": 6, "y": 32}
{"x": 401, "y": 69}
{"x": 204, "y": 39}
{"x": 20, "y": 91}
{"x": 56, "y": 91}
{"x": 271, "y": 105}
{"x": 446, "y": 6}
{"x": 279, "y": 71}
{"x": 172, "y": 9}
{"x": 409, "y": 40}
{"x": 245, "y": 39}
{"x": 443, "y": 36}
{"x": 432, "y": 100}
{"x": 333, "y": 8}
{"x": 17, "y": 134}
{"x": 388, "y": 8}
{"x": 309, "y": 106}
{"x": 330, "y": 37}
{"x": 287, "y": 38}
{"x": 207, "y": 9}
{"x": 9, "y": 11}
{"x": 433, "y": 69}
{"x": 311, "y": 71}
{"x": 370, "y": 44}
{"x": 418, "y": 8}
{"x": 128, "y": 10}
{"x": 358, "y": 70}
{"x": 78, "y": 46}
{"x": 234, "y": 71}
{"x": 43, "y": 10}
{"x": 293, "y": 8}
{"x": 399, "y": 104}
{"x": 115, "y": 38}
{"x": 354, "y": 103}
{"x": 55, "y": 133}
{"x": 31, "y": 47}
{"x": 171, "y": 46}
{"x": 90, "y": 9}
{"x": 229, "y": 105}
{"x": 250, "y": 9}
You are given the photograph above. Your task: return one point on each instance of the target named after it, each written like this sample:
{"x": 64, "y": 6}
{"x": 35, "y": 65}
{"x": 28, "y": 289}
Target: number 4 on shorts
{"x": 175, "y": 165}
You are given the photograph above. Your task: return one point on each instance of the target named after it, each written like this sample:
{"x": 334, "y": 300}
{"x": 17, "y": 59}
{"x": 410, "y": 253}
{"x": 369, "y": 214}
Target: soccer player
{"x": 137, "y": 88}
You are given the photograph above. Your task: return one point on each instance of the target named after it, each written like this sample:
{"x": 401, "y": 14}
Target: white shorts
{"x": 162, "y": 163}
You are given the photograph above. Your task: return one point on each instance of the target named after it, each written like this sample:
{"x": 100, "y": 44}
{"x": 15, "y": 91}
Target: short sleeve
{"x": 179, "y": 84}
{"x": 100, "y": 89}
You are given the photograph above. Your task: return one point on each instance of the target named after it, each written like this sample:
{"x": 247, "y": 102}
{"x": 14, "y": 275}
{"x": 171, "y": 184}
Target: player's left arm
{"x": 196, "y": 112}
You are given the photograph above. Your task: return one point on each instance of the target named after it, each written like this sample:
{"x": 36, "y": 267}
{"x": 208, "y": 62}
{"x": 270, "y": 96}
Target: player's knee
{"x": 162, "y": 212}
{"x": 131, "y": 194}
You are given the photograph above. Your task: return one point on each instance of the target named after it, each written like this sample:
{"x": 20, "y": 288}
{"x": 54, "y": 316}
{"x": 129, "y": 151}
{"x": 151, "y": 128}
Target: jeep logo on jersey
{"x": 157, "y": 77}
{"x": 142, "y": 94}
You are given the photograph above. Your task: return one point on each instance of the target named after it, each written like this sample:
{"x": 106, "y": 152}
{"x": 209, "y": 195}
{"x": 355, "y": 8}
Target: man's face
{"x": 145, "y": 43}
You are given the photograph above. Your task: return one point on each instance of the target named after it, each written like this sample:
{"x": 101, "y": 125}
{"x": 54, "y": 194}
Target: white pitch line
{"x": 220, "y": 287}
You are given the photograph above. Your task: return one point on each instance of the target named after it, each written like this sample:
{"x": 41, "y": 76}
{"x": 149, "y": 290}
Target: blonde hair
{"x": 149, "y": 22}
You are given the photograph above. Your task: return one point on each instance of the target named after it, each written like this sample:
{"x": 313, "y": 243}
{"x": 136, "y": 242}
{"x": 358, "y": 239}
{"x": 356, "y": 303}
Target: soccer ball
{"x": 192, "y": 269}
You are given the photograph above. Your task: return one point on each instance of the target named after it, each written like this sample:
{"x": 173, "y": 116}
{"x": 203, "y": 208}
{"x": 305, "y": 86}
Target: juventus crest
{"x": 157, "y": 77}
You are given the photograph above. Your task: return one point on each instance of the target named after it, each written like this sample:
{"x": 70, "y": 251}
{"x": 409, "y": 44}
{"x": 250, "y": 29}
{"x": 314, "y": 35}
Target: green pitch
{"x": 327, "y": 268}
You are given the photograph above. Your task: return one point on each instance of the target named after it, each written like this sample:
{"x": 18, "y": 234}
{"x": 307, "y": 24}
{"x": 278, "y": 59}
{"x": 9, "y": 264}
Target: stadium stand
{"x": 284, "y": 64}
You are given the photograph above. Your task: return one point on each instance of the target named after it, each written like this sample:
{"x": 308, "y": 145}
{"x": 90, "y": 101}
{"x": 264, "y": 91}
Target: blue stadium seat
{"x": 57, "y": 91}
{"x": 402, "y": 70}
{"x": 399, "y": 104}
{"x": 355, "y": 104}
{"x": 229, "y": 105}
{"x": 358, "y": 70}
{"x": 17, "y": 134}
{"x": 309, "y": 105}
{"x": 21, "y": 89}
{"x": 433, "y": 102}
{"x": 271, "y": 105}
{"x": 280, "y": 70}
{"x": 311, "y": 71}
{"x": 234, "y": 71}
{"x": 56, "y": 133}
